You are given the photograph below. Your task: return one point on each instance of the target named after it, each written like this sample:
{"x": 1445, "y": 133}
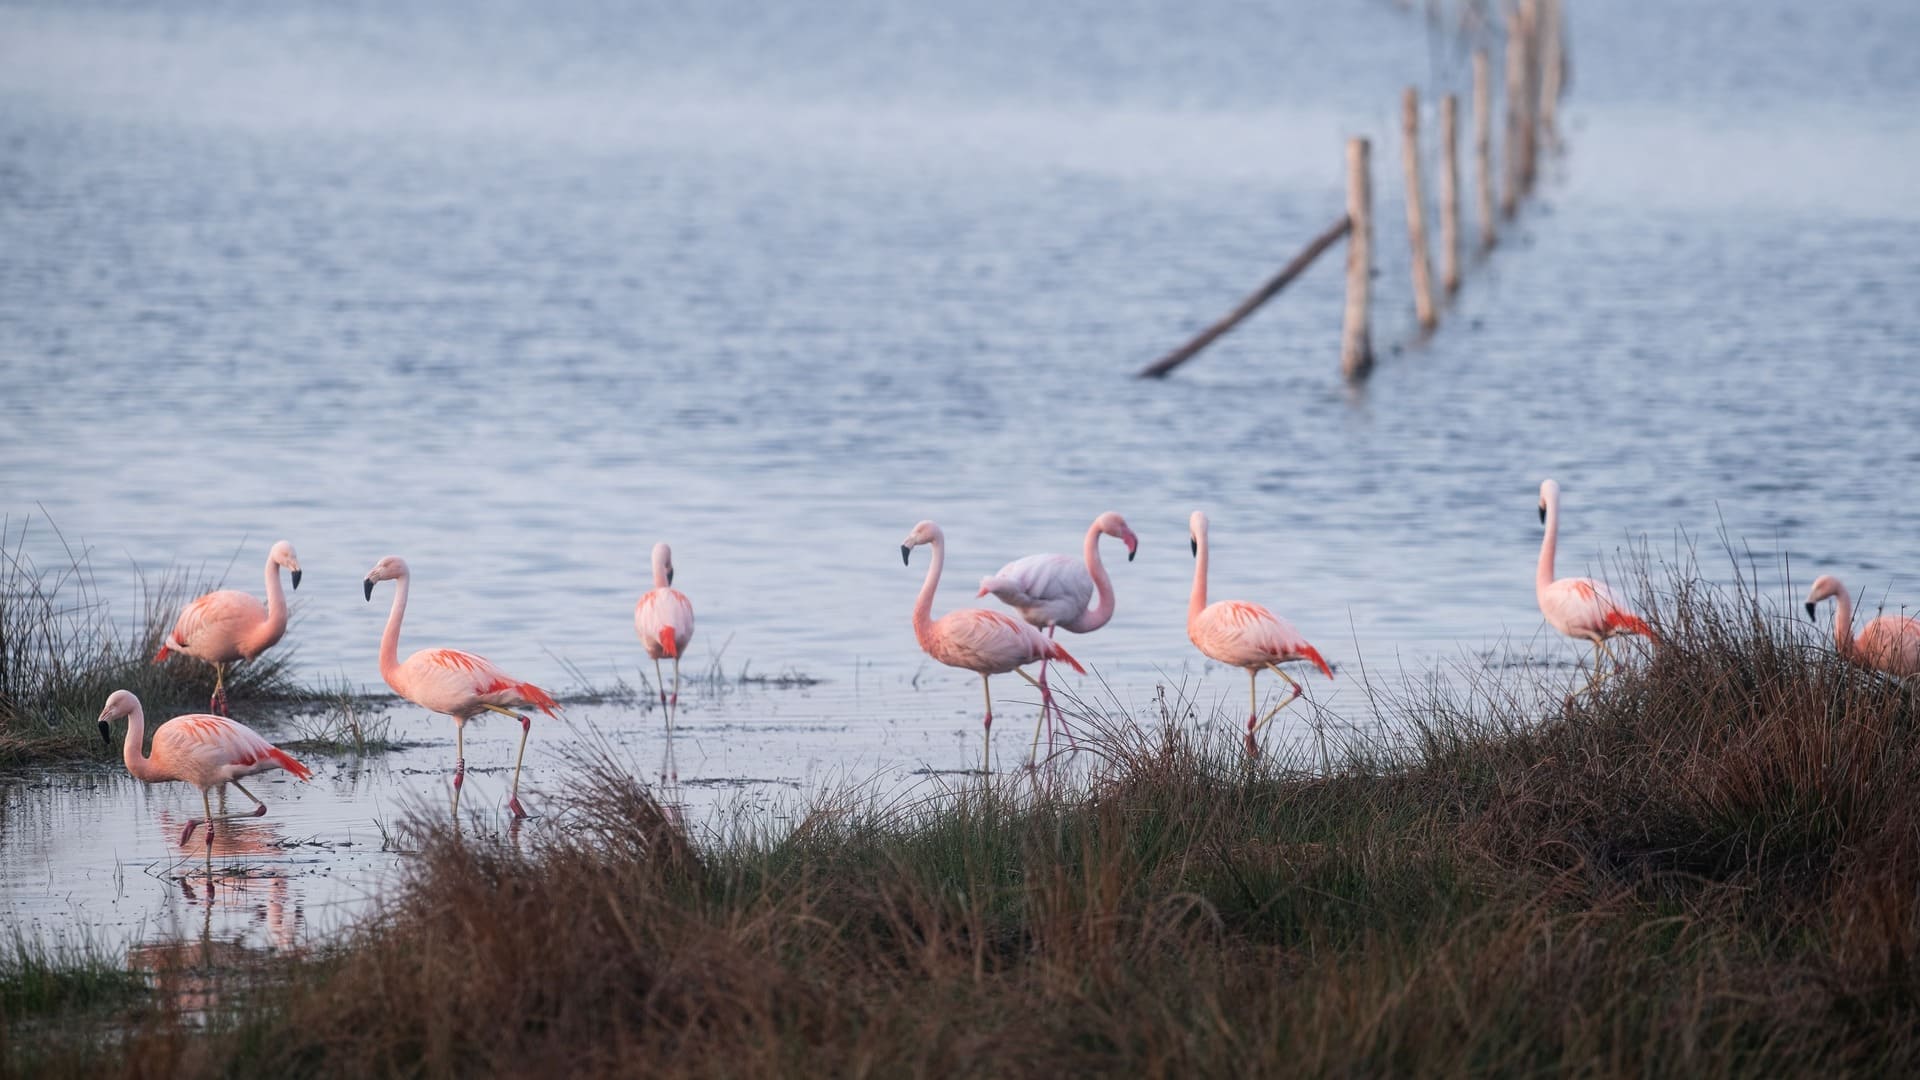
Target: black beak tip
{"x": 1543, "y": 515}
{"x": 1194, "y": 546}
{"x": 296, "y": 579}
{"x": 1132, "y": 553}
{"x": 669, "y": 575}
{"x": 106, "y": 735}
{"x": 1811, "y": 617}
{"x": 367, "y": 587}
{"x": 905, "y": 551}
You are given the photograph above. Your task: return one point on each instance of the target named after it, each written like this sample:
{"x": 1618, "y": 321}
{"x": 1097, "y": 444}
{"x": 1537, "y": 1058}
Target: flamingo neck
{"x": 659, "y": 569}
{"x": 276, "y": 626}
{"x": 1543, "y": 576}
{"x": 1197, "y": 603}
{"x": 130, "y": 751}
{"x": 923, "y": 607}
{"x": 1097, "y": 615}
{"x": 390, "y": 640}
{"x": 1843, "y": 622}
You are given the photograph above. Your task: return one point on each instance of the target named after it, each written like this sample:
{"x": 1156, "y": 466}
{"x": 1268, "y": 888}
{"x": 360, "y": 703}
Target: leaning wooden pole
{"x": 1552, "y": 49}
{"x": 1423, "y": 308}
{"x": 1483, "y": 146}
{"x": 1356, "y": 345}
{"x": 1159, "y": 368}
{"x": 1516, "y": 110}
{"x": 1529, "y": 93}
{"x": 1449, "y": 194}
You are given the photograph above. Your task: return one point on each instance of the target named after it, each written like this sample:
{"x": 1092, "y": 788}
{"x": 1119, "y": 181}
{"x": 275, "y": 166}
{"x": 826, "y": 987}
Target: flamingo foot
{"x": 1253, "y": 747}
{"x": 519, "y": 811}
{"x": 259, "y": 811}
{"x": 186, "y": 834}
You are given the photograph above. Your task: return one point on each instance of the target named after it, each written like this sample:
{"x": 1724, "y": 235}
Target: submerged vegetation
{"x": 64, "y": 648}
{"x": 1710, "y": 866}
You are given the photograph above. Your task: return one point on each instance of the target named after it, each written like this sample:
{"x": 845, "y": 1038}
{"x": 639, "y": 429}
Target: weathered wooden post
{"x": 1483, "y": 146}
{"x": 1552, "y": 50}
{"x": 1529, "y": 92}
{"x": 1516, "y": 109}
{"x": 1356, "y": 345}
{"x": 1417, "y": 211}
{"x": 1449, "y": 194}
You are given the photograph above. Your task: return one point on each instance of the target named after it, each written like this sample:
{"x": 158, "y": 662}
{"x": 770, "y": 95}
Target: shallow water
{"x": 516, "y": 295}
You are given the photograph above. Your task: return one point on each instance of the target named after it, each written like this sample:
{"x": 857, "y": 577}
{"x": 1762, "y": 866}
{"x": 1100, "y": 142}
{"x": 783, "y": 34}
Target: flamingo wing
{"x": 1248, "y": 635}
{"x": 664, "y": 620}
{"x": 460, "y": 683}
{"x": 212, "y": 625}
{"x": 1891, "y": 643}
{"x": 1588, "y": 609}
{"x": 205, "y": 749}
{"x": 985, "y": 641}
{"x": 1045, "y": 588}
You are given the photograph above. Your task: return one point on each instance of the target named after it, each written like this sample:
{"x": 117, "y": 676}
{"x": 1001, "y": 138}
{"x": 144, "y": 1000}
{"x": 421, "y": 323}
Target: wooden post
{"x": 1529, "y": 91}
{"x": 1449, "y": 194}
{"x": 1516, "y": 109}
{"x": 1356, "y": 345}
{"x": 1551, "y": 51}
{"x": 1417, "y": 211}
{"x": 1483, "y": 146}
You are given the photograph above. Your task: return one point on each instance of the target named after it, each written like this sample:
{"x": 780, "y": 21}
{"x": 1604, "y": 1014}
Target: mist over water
{"x": 516, "y": 291}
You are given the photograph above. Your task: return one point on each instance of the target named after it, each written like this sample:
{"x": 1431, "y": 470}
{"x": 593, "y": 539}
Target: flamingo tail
{"x": 287, "y": 762}
{"x": 667, "y": 644}
{"x": 540, "y": 698}
{"x": 1060, "y": 655}
{"x": 1310, "y": 653}
{"x": 1630, "y": 624}
{"x": 162, "y": 654}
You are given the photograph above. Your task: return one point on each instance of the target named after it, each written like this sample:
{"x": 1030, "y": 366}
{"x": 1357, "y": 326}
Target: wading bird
{"x": 229, "y": 625}
{"x": 1243, "y": 635}
{"x": 454, "y": 683}
{"x": 198, "y": 749}
{"x": 1889, "y": 643}
{"x": 973, "y": 638}
{"x": 1058, "y": 591}
{"x": 664, "y": 620}
{"x": 1579, "y": 607}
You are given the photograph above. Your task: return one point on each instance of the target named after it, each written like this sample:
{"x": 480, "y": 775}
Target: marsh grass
{"x": 337, "y": 718}
{"x": 64, "y": 647}
{"x": 1710, "y": 866}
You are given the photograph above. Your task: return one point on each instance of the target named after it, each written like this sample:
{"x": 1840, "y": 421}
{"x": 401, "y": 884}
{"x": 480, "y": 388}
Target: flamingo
{"x": 454, "y": 683}
{"x": 1052, "y": 591}
{"x": 664, "y": 620}
{"x": 1889, "y": 643}
{"x": 229, "y": 625}
{"x": 199, "y": 749}
{"x": 1579, "y": 607}
{"x": 974, "y": 638}
{"x": 1243, "y": 635}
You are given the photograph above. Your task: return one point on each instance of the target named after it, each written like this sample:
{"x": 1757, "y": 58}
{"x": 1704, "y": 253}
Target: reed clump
{"x": 1709, "y": 866}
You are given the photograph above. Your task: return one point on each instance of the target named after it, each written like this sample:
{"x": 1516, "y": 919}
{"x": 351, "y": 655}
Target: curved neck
{"x": 390, "y": 640}
{"x": 1096, "y": 616}
{"x": 1843, "y": 622}
{"x": 276, "y": 607}
{"x": 1198, "y": 601}
{"x": 659, "y": 569}
{"x": 1543, "y": 576}
{"x": 131, "y": 751}
{"x": 923, "y": 607}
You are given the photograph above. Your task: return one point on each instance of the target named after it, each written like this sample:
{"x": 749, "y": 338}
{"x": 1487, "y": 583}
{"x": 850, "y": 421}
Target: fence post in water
{"x": 1551, "y": 51}
{"x": 1417, "y": 211}
{"x": 1516, "y": 108}
{"x": 1483, "y": 147}
{"x": 1356, "y": 345}
{"x": 1449, "y": 194}
{"x": 1529, "y": 92}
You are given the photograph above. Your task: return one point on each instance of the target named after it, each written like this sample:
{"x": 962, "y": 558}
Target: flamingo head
{"x": 391, "y": 568}
{"x": 924, "y": 533}
{"x": 1824, "y": 586}
{"x": 282, "y": 555}
{"x": 1549, "y": 497}
{"x": 662, "y": 565}
{"x": 1115, "y": 526}
{"x": 120, "y": 703}
{"x": 1196, "y": 530}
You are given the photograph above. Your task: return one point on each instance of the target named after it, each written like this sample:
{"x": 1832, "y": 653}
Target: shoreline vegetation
{"x": 1709, "y": 866}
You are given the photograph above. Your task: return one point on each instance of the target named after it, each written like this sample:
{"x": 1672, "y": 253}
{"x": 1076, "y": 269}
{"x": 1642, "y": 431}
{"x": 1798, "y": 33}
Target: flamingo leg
{"x": 986, "y": 730}
{"x": 676, "y": 679}
{"x": 660, "y": 681}
{"x": 259, "y": 808}
{"x": 526, "y": 725}
{"x": 459, "y": 764}
{"x": 1034, "y": 751}
{"x": 1047, "y": 697}
{"x": 1297, "y": 691}
{"x": 219, "y": 702}
{"x": 206, "y": 804}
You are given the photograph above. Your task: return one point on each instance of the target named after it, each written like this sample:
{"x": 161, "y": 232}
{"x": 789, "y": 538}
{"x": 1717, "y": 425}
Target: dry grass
{"x": 1711, "y": 867}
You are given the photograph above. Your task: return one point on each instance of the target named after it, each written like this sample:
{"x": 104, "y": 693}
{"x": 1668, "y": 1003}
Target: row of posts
{"x": 1535, "y": 76}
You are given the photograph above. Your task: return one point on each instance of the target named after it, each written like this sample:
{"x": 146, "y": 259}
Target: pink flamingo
{"x": 664, "y": 620}
{"x": 972, "y": 638}
{"x": 229, "y": 625}
{"x": 1579, "y": 607}
{"x": 198, "y": 749}
{"x": 1244, "y": 635}
{"x": 454, "y": 683}
{"x": 1889, "y": 643}
{"x": 1056, "y": 591}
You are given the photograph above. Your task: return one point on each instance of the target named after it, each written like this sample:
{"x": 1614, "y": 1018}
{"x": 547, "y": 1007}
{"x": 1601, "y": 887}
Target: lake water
{"x": 515, "y": 292}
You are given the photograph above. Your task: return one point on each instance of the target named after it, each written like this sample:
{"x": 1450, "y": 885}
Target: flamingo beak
{"x": 1811, "y": 617}
{"x": 367, "y": 585}
{"x": 296, "y": 579}
{"x": 1133, "y": 546}
{"x": 904, "y": 552}
{"x": 1194, "y": 545}
{"x": 669, "y": 575}
{"x": 1543, "y": 514}
{"x": 106, "y": 734}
